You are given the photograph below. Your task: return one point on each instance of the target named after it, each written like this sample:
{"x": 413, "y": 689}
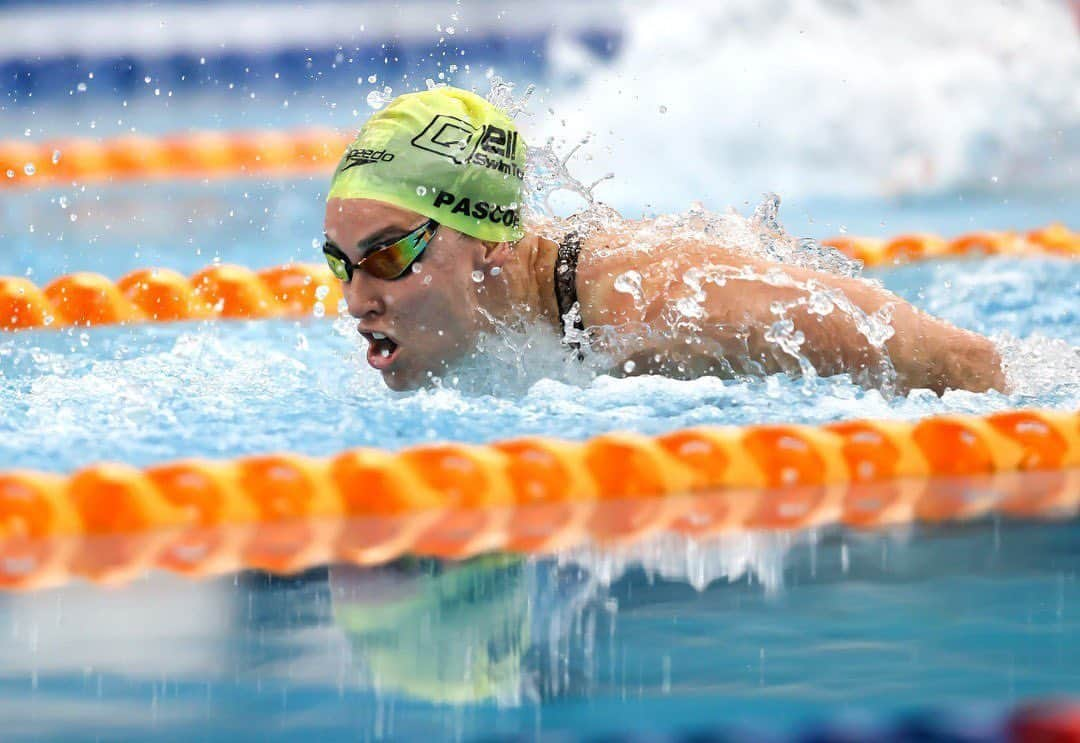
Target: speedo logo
{"x": 490, "y": 146}
{"x": 477, "y": 209}
{"x": 364, "y": 157}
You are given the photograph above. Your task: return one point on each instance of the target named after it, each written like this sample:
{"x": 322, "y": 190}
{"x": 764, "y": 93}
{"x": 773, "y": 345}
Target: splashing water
{"x": 760, "y": 236}
{"x": 376, "y": 99}
{"x": 807, "y": 98}
{"x": 698, "y": 562}
{"x": 629, "y": 282}
{"x": 548, "y": 175}
{"x": 1038, "y": 364}
{"x": 501, "y": 96}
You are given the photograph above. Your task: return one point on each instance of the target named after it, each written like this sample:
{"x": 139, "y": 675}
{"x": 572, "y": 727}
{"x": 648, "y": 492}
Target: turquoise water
{"x": 155, "y": 392}
{"x": 772, "y": 631}
{"x": 768, "y": 630}
{"x": 791, "y": 629}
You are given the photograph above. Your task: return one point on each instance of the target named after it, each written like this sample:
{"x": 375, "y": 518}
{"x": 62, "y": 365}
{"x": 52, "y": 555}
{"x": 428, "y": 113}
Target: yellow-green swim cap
{"x": 445, "y": 153}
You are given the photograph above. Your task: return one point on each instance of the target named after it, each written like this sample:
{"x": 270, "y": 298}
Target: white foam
{"x": 826, "y": 98}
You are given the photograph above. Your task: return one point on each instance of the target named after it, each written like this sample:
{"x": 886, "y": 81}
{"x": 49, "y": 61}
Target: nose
{"x": 363, "y": 298}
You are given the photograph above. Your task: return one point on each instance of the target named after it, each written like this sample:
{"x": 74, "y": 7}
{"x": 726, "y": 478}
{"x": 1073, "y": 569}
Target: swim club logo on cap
{"x": 444, "y": 153}
{"x": 489, "y": 146}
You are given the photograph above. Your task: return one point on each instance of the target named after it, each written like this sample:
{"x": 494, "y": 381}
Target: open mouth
{"x": 382, "y": 349}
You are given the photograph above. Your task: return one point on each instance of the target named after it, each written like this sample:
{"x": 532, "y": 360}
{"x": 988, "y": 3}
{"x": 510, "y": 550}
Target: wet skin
{"x": 432, "y": 317}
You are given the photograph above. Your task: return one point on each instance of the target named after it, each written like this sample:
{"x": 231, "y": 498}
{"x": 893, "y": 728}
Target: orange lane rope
{"x": 297, "y": 290}
{"x": 161, "y": 295}
{"x": 210, "y": 548}
{"x": 114, "y": 498}
{"x": 1053, "y": 239}
{"x": 207, "y": 154}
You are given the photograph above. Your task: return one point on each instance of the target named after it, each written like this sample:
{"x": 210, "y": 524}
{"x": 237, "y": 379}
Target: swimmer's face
{"x": 429, "y": 315}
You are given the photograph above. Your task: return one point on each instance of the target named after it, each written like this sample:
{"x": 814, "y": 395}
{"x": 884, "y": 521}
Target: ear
{"x": 494, "y": 254}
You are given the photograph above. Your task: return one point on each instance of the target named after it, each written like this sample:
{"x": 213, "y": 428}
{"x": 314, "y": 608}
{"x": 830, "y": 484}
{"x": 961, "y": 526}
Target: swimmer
{"x": 424, "y": 228}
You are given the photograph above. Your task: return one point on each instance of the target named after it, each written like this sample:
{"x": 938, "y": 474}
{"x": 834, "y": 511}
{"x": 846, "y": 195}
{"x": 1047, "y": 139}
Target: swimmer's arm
{"x": 926, "y": 352}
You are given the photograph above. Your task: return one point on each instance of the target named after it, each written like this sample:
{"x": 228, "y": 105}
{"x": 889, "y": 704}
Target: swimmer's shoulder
{"x": 613, "y": 260}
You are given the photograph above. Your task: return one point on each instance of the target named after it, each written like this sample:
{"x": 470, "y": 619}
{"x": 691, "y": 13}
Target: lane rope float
{"x": 114, "y": 498}
{"x": 289, "y": 545}
{"x": 297, "y": 290}
{"x": 1053, "y": 239}
{"x": 205, "y": 154}
{"x": 219, "y": 291}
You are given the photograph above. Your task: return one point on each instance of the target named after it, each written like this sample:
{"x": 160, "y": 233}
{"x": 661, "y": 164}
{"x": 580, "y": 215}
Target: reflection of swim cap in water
{"x": 445, "y": 153}
{"x": 448, "y": 634}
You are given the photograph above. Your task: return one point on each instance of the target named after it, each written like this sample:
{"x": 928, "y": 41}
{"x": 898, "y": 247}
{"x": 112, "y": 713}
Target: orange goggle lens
{"x": 387, "y": 262}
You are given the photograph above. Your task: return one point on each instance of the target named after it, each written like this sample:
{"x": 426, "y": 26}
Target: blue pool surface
{"x": 773, "y": 631}
{"x": 791, "y": 629}
{"x": 709, "y": 102}
{"x": 157, "y": 392}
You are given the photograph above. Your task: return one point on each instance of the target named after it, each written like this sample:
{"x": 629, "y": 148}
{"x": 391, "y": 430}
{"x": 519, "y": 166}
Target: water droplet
{"x": 417, "y": 268}
{"x": 372, "y": 78}
{"x": 29, "y": 169}
{"x": 630, "y": 283}
{"x": 663, "y": 109}
{"x": 55, "y": 156}
{"x": 477, "y": 276}
{"x": 81, "y": 87}
{"x": 427, "y": 280}
{"x": 377, "y": 99}
{"x": 10, "y": 173}
{"x": 84, "y": 339}
{"x": 385, "y": 353}
{"x": 496, "y": 270}
{"x": 73, "y": 217}
{"x": 820, "y": 303}
{"x": 629, "y": 367}
{"x": 689, "y": 307}
{"x": 421, "y": 191}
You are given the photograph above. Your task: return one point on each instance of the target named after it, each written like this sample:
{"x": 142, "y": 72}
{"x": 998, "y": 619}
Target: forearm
{"x": 924, "y": 351}
{"x": 940, "y": 356}
{"x": 734, "y": 316}
{"x": 930, "y": 353}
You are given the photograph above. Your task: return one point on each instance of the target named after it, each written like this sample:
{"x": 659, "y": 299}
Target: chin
{"x": 401, "y": 380}
{"x": 397, "y": 381}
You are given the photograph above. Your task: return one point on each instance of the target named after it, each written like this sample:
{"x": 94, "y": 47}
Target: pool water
{"x": 158, "y": 392}
{"x": 770, "y": 630}
{"x": 789, "y": 629}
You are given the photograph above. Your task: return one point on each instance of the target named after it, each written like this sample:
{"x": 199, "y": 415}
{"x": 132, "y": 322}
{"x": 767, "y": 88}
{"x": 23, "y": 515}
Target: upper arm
{"x": 690, "y": 299}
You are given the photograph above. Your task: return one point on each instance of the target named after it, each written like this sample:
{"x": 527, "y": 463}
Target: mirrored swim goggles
{"x": 385, "y": 262}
